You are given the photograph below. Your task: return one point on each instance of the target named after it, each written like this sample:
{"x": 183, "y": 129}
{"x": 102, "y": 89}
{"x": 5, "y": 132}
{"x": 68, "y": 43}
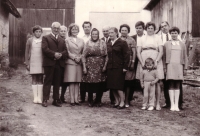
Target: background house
{"x": 183, "y": 14}
{"x": 6, "y": 7}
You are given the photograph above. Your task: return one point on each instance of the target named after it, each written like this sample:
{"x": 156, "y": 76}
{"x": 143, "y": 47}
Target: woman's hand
{"x": 104, "y": 69}
{"x": 124, "y": 70}
{"x": 185, "y": 72}
{"x": 84, "y": 71}
{"x": 152, "y": 83}
{"x": 155, "y": 64}
{"x": 143, "y": 65}
{"x": 28, "y": 67}
{"x": 165, "y": 71}
{"x": 77, "y": 59}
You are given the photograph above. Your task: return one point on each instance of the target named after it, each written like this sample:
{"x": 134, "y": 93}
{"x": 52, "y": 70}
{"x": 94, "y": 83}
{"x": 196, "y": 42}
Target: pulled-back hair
{"x": 115, "y": 30}
{"x": 37, "y": 27}
{"x": 124, "y": 25}
{"x": 174, "y": 29}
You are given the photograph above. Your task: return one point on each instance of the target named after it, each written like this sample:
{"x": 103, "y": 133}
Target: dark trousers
{"x": 82, "y": 91}
{"x": 53, "y": 76}
{"x": 166, "y": 93}
{"x": 63, "y": 91}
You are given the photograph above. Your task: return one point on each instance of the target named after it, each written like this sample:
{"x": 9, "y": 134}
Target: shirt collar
{"x": 56, "y": 36}
{"x": 114, "y": 41}
{"x": 175, "y": 42}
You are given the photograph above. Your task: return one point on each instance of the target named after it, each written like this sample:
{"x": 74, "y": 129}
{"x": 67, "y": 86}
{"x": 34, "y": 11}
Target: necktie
{"x": 167, "y": 37}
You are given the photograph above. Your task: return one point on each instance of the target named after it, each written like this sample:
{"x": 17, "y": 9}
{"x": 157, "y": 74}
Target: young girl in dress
{"x": 175, "y": 66}
{"x": 149, "y": 78}
{"x": 33, "y": 60}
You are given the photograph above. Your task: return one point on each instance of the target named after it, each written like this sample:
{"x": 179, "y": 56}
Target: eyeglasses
{"x": 163, "y": 26}
{"x": 56, "y": 28}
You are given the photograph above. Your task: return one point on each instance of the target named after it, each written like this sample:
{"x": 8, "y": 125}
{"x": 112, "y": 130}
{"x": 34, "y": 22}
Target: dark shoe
{"x": 181, "y": 108}
{"x": 115, "y": 106}
{"x": 77, "y": 103}
{"x": 99, "y": 104}
{"x": 72, "y": 104}
{"x": 91, "y": 104}
{"x": 81, "y": 101}
{"x": 120, "y": 107}
{"x": 112, "y": 102}
{"x": 56, "y": 103}
{"x": 44, "y": 103}
{"x": 165, "y": 106}
{"x": 59, "y": 101}
{"x": 63, "y": 100}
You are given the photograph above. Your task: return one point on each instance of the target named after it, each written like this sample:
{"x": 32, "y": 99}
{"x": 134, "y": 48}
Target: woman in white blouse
{"x": 151, "y": 46}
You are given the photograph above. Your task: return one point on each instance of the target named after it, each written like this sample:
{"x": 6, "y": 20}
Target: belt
{"x": 149, "y": 48}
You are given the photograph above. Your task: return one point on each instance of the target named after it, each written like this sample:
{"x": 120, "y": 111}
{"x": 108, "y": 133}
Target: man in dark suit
{"x": 139, "y": 26}
{"x": 54, "y": 54}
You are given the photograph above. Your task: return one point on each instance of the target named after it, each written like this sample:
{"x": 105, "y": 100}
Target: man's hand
{"x": 58, "y": 55}
{"x": 77, "y": 59}
{"x": 104, "y": 69}
{"x": 152, "y": 83}
{"x": 142, "y": 86}
{"x": 84, "y": 71}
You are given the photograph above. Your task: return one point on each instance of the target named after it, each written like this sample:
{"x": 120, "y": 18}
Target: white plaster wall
{"x": 84, "y": 8}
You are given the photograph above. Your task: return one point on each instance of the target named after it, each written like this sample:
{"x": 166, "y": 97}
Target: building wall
{"x": 97, "y": 12}
{"x": 4, "y": 29}
{"x": 176, "y": 12}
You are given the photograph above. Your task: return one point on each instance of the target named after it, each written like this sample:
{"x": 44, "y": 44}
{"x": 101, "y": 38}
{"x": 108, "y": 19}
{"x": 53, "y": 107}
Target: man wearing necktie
{"x": 165, "y": 36}
{"x": 54, "y": 55}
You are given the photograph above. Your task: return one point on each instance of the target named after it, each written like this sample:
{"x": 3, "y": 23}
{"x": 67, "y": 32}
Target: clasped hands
{"x": 57, "y": 55}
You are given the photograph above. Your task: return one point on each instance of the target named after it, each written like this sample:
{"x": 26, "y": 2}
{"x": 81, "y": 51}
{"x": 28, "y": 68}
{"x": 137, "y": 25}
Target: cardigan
{"x": 28, "y": 51}
{"x": 167, "y": 54}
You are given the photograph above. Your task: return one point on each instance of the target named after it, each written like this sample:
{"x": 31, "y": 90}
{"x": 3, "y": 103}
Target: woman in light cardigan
{"x": 175, "y": 66}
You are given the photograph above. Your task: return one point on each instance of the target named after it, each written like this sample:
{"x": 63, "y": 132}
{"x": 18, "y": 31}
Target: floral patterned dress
{"x": 94, "y": 56}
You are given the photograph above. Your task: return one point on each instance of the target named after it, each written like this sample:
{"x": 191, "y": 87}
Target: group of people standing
{"x": 115, "y": 63}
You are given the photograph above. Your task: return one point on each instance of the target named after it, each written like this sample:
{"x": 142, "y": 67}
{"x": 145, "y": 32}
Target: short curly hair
{"x": 174, "y": 29}
{"x": 70, "y": 28}
{"x": 150, "y": 24}
{"x": 124, "y": 25}
{"x": 36, "y": 27}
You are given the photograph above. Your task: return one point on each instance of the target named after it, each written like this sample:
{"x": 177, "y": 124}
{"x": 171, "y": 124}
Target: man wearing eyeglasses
{"x": 54, "y": 55}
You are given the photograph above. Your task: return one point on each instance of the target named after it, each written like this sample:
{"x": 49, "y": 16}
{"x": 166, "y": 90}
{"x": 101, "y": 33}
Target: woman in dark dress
{"x": 94, "y": 66}
{"x": 118, "y": 60}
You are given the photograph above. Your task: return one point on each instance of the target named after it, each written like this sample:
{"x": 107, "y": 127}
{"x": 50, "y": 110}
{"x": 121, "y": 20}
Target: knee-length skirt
{"x": 73, "y": 73}
{"x": 115, "y": 79}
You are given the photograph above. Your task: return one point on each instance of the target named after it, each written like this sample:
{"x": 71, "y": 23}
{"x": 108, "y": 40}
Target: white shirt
{"x": 149, "y": 41}
{"x": 139, "y": 38}
{"x": 114, "y": 41}
{"x": 163, "y": 37}
{"x": 86, "y": 38}
{"x": 56, "y": 36}
{"x": 106, "y": 39}
{"x": 37, "y": 40}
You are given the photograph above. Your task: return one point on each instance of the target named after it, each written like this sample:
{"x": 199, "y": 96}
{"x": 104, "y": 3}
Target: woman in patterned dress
{"x": 33, "y": 60}
{"x": 94, "y": 65}
{"x": 130, "y": 74}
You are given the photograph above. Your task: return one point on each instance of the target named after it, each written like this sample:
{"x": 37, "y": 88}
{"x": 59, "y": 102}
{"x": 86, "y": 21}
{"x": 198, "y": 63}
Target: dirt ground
{"x": 20, "y": 117}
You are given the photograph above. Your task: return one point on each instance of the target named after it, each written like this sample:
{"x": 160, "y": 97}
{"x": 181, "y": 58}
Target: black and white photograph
{"x": 99, "y": 67}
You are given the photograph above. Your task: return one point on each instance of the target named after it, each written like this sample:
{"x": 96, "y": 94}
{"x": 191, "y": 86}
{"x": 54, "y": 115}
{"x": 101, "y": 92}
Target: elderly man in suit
{"x": 54, "y": 55}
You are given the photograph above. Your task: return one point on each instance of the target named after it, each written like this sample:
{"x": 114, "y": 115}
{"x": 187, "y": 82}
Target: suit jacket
{"x": 75, "y": 49}
{"x": 28, "y": 51}
{"x": 167, "y": 54}
{"x": 118, "y": 54}
{"x": 51, "y": 45}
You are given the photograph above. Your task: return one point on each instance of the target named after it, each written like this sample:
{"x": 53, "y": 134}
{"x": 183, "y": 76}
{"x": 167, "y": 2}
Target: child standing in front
{"x": 149, "y": 78}
{"x": 33, "y": 60}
